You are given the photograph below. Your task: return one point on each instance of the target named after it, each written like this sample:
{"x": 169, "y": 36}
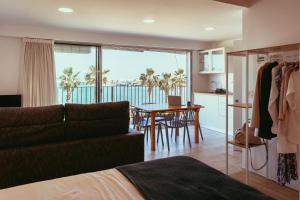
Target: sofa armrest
{"x": 37, "y": 163}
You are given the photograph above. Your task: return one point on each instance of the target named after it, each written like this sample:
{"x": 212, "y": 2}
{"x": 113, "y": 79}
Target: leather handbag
{"x": 240, "y": 136}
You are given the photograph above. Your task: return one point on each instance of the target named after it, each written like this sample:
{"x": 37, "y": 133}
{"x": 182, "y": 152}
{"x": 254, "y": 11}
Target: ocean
{"x": 135, "y": 94}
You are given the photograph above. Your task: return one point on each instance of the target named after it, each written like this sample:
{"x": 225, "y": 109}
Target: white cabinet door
{"x": 201, "y": 100}
{"x": 213, "y": 116}
{"x": 222, "y": 114}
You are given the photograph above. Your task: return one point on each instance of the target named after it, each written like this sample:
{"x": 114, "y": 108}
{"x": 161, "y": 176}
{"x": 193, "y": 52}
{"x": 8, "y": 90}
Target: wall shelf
{"x": 244, "y": 146}
{"x": 240, "y": 105}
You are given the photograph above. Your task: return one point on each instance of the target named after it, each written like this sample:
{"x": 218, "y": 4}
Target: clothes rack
{"x": 247, "y": 105}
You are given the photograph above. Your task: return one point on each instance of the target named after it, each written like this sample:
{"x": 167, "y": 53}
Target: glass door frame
{"x": 99, "y": 61}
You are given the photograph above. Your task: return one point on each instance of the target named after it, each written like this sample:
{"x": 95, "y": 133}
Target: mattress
{"x": 178, "y": 177}
{"x": 107, "y": 184}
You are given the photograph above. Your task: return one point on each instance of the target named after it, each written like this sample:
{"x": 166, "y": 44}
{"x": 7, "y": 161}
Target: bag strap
{"x": 267, "y": 158}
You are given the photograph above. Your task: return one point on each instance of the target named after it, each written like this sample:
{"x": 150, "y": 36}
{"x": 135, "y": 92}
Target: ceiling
{"x": 184, "y": 19}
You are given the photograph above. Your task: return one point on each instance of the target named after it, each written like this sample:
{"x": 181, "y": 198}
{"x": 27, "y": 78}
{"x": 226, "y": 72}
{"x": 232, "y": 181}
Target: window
{"x": 75, "y": 73}
{"x": 140, "y": 76}
{"x": 134, "y": 75}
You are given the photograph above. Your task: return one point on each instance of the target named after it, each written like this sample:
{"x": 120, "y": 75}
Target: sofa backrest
{"x": 94, "y": 120}
{"x": 21, "y": 127}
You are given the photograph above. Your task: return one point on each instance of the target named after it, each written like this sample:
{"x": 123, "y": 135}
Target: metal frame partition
{"x": 246, "y": 105}
{"x": 241, "y": 106}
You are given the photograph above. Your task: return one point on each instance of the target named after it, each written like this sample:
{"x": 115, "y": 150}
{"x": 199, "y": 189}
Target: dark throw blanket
{"x": 186, "y": 178}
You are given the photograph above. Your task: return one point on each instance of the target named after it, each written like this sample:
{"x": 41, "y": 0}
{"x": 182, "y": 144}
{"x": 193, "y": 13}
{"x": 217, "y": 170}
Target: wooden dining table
{"x": 153, "y": 109}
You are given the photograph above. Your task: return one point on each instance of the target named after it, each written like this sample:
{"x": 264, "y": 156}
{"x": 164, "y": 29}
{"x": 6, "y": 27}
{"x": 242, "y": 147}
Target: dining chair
{"x": 176, "y": 120}
{"x": 174, "y": 100}
{"x": 142, "y": 120}
{"x": 190, "y": 118}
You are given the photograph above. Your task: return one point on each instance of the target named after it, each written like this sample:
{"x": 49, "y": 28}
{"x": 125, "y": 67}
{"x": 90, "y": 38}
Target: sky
{"x": 123, "y": 65}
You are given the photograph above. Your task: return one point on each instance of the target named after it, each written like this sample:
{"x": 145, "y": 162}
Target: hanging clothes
{"x": 274, "y": 97}
{"x": 256, "y": 101}
{"x": 282, "y": 101}
{"x": 265, "y": 120}
{"x": 293, "y": 99}
{"x": 288, "y": 122}
{"x": 287, "y": 168}
{"x": 276, "y": 112}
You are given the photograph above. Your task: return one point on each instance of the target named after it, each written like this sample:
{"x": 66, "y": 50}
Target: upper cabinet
{"x": 212, "y": 61}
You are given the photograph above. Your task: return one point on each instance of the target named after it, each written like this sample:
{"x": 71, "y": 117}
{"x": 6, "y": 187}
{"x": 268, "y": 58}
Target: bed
{"x": 170, "y": 178}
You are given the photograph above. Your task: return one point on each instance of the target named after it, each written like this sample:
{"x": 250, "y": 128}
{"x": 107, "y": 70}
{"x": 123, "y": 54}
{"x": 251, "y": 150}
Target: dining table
{"x": 153, "y": 109}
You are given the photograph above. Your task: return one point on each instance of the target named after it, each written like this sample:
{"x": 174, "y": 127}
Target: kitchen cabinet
{"x": 212, "y": 61}
{"x": 213, "y": 116}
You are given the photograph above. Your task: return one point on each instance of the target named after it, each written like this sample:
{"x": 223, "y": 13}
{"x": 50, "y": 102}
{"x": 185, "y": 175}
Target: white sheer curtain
{"x": 38, "y": 83}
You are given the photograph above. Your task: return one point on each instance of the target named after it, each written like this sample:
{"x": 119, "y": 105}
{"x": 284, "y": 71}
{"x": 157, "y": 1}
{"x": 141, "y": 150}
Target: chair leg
{"x": 167, "y": 136}
{"x": 157, "y": 136}
{"x": 184, "y": 134}
{"x": 172, "y": 133}
{"x": 200, "y": 132}
{"x": 161, "y": 135}
{"x": 188, "y": 134}
{"x": 146, "y": 134}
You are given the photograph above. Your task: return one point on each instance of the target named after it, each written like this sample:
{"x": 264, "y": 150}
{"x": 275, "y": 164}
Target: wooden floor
{"x": 212, "y": 152}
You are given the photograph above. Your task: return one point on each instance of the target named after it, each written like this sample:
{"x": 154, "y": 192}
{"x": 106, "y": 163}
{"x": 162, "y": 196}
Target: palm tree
{"x": 179, "y": 79}
{"x": 104, "y": 77}
{"x": 69, "y": 81}
{"x": 90, "y": 78}
{"x": 166, "y": 84}
{"x": 150, "y": 80}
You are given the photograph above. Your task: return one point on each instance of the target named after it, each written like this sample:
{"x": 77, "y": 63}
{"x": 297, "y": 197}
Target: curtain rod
{"x": 122, "y": 46}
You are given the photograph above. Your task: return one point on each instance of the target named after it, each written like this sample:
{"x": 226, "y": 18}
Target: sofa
{"x": 44, "y": 143}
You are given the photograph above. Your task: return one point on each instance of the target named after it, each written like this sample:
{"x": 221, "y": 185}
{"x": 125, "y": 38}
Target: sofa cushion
{"x": 94, "y": 120}
{"x": 31, "y": 126}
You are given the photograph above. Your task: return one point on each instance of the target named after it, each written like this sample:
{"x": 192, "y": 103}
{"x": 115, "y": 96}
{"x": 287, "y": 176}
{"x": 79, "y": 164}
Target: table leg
{"x": 153, "y": 131}
{"x": 196, "y": 126}
{"x": 177, "y": 129}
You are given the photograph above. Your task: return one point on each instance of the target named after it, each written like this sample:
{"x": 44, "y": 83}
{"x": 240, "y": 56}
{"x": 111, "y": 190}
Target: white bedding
{"x": 108, "y": 184}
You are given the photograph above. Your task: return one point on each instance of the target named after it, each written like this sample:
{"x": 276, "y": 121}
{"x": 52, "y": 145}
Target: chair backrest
{"x": 174, "y": 100}
{"x": 175, "y": 119}
{"x": 190, "y": 115}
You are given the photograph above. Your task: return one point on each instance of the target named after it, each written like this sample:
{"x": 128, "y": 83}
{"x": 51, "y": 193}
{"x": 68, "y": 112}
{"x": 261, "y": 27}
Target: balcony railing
{"x": 135, "y": 94}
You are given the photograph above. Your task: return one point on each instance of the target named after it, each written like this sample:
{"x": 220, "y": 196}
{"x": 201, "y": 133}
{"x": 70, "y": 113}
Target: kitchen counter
{"x": 211, "y": 93}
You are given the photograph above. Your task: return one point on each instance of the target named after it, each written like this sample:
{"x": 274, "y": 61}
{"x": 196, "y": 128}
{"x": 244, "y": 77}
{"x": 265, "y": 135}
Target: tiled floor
{"x": 212, "y": 152}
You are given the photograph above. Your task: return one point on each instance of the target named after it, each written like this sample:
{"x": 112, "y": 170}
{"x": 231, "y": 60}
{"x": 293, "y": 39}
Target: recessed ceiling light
{"x": 209, "y": 28}
{"x": 149, "y": 20}
{"x": 65, "y": 10}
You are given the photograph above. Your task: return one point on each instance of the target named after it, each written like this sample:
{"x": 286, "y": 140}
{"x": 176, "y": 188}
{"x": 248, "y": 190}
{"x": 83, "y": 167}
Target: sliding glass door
{"x": 144, "y": 76}
{"x": 90, "y": 74}
{"x": 76, "y": 69}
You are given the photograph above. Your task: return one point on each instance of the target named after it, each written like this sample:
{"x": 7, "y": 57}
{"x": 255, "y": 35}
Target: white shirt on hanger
{"x": 293, "y": 99}
{"x": 283, "y": 144}
{"x": 274, "y": 97}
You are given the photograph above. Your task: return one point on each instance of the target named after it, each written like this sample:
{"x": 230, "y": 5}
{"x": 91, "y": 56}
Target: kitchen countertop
{"x": 211, "y": 93}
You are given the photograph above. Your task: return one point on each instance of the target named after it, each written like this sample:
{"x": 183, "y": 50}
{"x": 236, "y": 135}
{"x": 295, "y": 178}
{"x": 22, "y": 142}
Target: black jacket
{"x": 266, "y": 122}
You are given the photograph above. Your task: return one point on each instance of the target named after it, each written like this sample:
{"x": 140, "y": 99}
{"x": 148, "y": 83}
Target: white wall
{"x": 10, "y": 52}
{"x": 271, "y": 23}
{"x": 11, "y": 44}
{"x": 97, "y": 37}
